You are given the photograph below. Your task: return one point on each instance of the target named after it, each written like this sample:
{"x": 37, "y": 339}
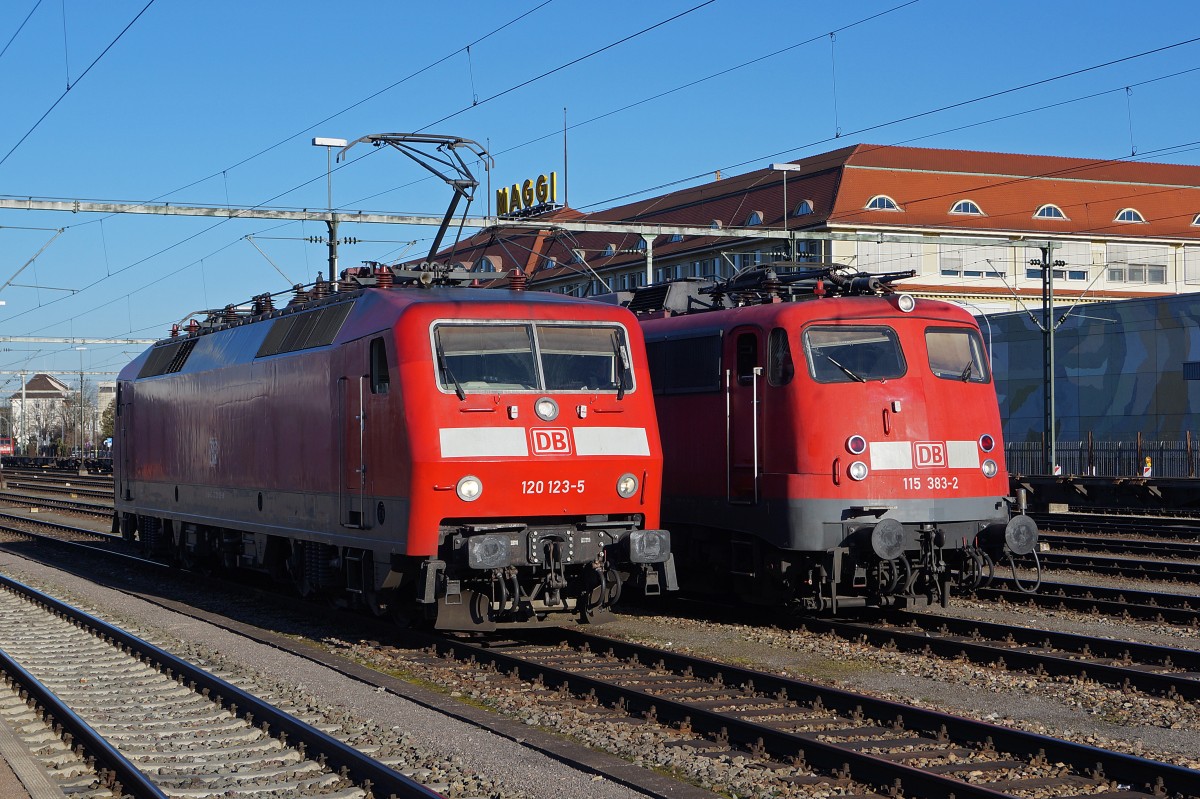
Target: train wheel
{"x": 297, "y": 572}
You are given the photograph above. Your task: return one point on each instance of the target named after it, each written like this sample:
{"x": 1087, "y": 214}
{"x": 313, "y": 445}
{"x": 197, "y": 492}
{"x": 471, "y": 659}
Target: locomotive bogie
{"x": 470, "y": 457}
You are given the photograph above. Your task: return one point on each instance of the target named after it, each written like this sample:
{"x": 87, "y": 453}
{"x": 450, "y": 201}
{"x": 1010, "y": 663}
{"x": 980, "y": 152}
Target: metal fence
{"x": 1138, "y": 458}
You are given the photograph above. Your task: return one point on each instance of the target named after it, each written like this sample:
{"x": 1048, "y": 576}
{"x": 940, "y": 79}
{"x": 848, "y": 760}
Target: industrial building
{"x": 968, "y": 223}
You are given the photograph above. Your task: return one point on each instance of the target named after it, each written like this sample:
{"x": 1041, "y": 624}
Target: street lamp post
{"x": 787, "y": 211}
{"x": 331, "y": 223}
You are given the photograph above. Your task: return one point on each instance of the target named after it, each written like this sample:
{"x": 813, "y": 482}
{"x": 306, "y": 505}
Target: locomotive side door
{"x": 352, "y": 431}
{"x": 124, "y": 421}
{"x": 350, "y": 443}
{"x": 362, "y": 410}
{"x": 743, "y": 400}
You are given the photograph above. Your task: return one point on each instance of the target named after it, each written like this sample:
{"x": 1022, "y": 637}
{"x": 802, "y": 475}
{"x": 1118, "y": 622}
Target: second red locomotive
{"x": 828, "y": 442}
{"x": 477, "y": 458}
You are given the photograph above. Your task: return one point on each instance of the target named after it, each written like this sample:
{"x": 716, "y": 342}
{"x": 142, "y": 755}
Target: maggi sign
{"x": 530, "y": 194}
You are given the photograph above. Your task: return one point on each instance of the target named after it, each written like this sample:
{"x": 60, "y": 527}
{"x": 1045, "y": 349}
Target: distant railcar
{"x": 476, "y": 458}
{"x": 828, "y": 443}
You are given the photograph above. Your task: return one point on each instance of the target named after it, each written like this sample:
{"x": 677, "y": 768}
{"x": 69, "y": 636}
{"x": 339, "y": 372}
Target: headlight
{"x": 487, "y": 551}
{"x": 856, "y": 445}
{"x": 990, "y": 468}
{"x": 649, "y": 546}
{"x": 987, "y": 443}
{"x": 627, "y": 486}
{"x": 858, "y": 471}
{"x": 469, "y": 488}
{"x": 546, "y": 409}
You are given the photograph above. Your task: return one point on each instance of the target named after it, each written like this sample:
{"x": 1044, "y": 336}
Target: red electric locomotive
{"x": 486, "y": 459}
{"x": 827, "y": 442}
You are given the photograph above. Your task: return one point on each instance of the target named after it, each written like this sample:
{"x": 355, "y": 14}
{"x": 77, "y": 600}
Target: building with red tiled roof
{"x": 959, "y": 219}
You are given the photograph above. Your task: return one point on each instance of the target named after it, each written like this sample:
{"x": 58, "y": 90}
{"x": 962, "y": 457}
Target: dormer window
{"x": 717, "y": 224}
{"x": 577, "y": 257}
{"x": 1129, "y": 215}
{"x": 675, "y": 238}
{"x": 755, "y": 218}
{"x": 882, "y": 202}
{"x": 610, "y": 249}
{"x": 804, "y": 208}
{"x": 639, "y": 245}
{"x": 966, "y": 207}
{"x": 1049, "y": 211}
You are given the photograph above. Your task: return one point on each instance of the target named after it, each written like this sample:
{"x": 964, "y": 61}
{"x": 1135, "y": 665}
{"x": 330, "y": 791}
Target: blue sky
{"x": 185, "y": 102}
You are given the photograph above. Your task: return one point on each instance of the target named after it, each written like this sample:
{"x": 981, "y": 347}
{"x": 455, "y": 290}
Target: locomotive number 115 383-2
{"x": 551, "y": 486}
{"x": 929, "y": 483}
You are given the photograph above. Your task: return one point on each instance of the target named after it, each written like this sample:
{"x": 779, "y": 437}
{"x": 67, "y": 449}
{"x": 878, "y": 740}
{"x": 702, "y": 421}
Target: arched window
{"x": 967, "y": 207}
{"x": 882, "y": 202}
{"x": 639, "y": 245}
{"x": 1129, "y": 215}
{"x": 487, "y": 263}
{"x": 610, "y": 249}
{"x": 717, "y": 223}
{"x": 1049, "y": 211}
{"x": 755, "y": 218}
{"x": 804, "y": 208}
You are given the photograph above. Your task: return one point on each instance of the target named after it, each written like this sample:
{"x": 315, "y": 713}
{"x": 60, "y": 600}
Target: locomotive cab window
{"x": 956, "y": 354}
{"x": 577, "y": 358}
{"x": 842, "y": 354}
{"x": 747, "y": 356}
{"x": 474, "y": 358}
{"x": 779, "y": 358}
{"x": 380, "y": 381}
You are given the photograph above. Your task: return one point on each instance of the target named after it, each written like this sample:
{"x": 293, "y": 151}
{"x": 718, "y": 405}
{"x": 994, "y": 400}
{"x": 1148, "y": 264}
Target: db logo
{"x": 929, "y": 454}
{"x": 550, "y": 440}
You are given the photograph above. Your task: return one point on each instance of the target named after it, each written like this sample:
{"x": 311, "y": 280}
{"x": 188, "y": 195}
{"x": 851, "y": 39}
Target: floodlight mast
{"x": 447, "y": 155}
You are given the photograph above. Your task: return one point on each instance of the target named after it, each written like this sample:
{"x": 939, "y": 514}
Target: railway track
{"x": 98, "y": 510}
{"x": 1118, "y": 521}
{"x": 157, "y": 725}
{"x": 1155, "y": 606}
{"x": 852, "y": 742}
{"x": 1158, "y": 670}
{"x": 811, "y": 733}
{"x": 1133, "y": 568}
{"x": 1122, "y": 546}
{"x": 68, "y": 488}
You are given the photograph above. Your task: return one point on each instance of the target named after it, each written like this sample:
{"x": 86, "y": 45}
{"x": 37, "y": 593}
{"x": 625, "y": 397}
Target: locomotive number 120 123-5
{"x": 551, "y": 487}
{"x": 930, "y": 483}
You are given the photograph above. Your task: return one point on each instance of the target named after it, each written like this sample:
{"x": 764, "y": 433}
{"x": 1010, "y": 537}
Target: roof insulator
{"x": 516, "y": 280}
{"x": 383, "y": 277}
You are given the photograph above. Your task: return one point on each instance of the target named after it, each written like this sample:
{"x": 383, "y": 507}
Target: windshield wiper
{"x": 621, "y": 359}
{"x": 965, "y": 374}
{"x": 458, "y": 389}
{"x": 844, "y": 368}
